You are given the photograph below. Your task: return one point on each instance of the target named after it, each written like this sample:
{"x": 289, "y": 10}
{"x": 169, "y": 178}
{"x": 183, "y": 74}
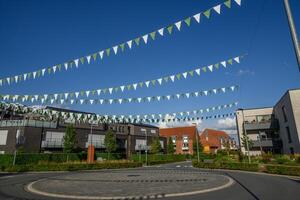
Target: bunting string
{"x": 55, "y": 100}
{"x": 95, "y": 118}
{"x": 118, "y": 48}
{"x": 127, "y": 87}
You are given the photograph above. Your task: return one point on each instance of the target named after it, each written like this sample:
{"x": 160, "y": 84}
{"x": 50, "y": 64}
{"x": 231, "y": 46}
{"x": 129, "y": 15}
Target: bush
{"x": 73, "y": 166}
{"x": 267, "y": 157}
{"x": 159, "y": 158}
{"x": 283, "y": 169}
{"x": 227, "y": 165}
{"x": 282, "y": 159}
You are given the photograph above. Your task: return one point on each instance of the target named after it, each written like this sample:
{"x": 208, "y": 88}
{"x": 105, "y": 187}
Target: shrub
{"x": 227, "y": 165}
{"x": 267, "y": 157}
{"x": 282, "y": 159}
{"x": 283, "y": 169}
{"x": 160, "y": 158}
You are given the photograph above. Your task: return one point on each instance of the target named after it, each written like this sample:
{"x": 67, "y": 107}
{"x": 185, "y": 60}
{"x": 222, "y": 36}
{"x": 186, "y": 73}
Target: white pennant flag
{"x": 159, "y": 81}
{"x": 76, "y": 61}
{"x": 43, "y": 71}
{"x": 134, "y": 86}
{"x": 88, "y": 59}
{"x": 120, "y": 101}
{"x": 98, "y": 92}
{"x": 139, "y": 99}
{"x": 87, "y": 93}
{"x": 147, "y": 83}
{"x": 115, "y": 48}
{"x": 178, "y": 25}
{"x": 178, "y": 96}
{"x": 197, "y": 71}
{"x": 205, "y": 92}
{"x": 66, "y": 66}
{"x": 149, "y": 99}
{"x": 158, "y": 98}
{"x": 232, "y": 88}
{"x": 72, "y": 101}
{"x": 66, "y": 95}
{"x": 129, "y": 100}
{"x": 129, "y": 43}
{"x": 101, "y": 101}
{"x": 76, "y": 94}
{"x": 210, "y": 67}
{"x": 62, "y": 101}
{"x": 16, "y": 79}
{"x": 81, "y": 101}
{"x": 218, "y": 8}
{"x": 237, "y": 59}
{"x": 122, "y": 87}
{"x": 34, "y": 75}
{"x": 223, "y": 63}
{"x": 111, "y": 101}
{"x": 45, "y": 96}
{"x": 223, "y": 89}
{"x": 110, "y": 90}
{"x": 26, "y": 97}
{"x": 196, "y": 94}
{"x": 172, "y": 78}
{"x": 168, "y": 97}
{"x": 1, "y": 82}
{"x": 161, "y": 31}
{"x": 51, "y": 101}
{"x": 101, "y": 53}
{"x": 54, "y": 68}
{"x": 8, "y": 80}
{"x": 238, "y": 2}
{"x": 215, "y": 91}
{"x": 187, "y": 95}
{"x": 25, "y": 77}
{"x": 91, "y": 101}
{"x": 197, "y": 17}
{"x": 145, "y": 38}
{"x": 184, "y": 74}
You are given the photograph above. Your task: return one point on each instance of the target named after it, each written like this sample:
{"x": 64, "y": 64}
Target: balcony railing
{"x": 96, "y": 144}
{"x": 262, "y": 125}
{"x": 53, "y": 143}
{"x": 31, "y": 123}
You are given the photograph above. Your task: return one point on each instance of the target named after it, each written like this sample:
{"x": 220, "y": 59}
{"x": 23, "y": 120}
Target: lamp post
{"x": 146, "y": 150}
{"x": 246, "y": 138}
{"x": 197, "y": 140}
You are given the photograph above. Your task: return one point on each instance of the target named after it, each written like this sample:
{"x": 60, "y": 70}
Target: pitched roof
{"x": 211, "y": 137}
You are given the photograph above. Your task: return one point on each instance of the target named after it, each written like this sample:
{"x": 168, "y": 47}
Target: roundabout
{"x": 129, "y": 184}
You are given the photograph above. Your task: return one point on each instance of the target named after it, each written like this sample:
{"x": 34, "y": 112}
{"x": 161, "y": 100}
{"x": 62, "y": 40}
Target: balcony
{"x": 262, "y": 125}
{"x": 263, "y": 143}
{"x": 53, "y": 143}
{"x": 97, "y": 144}
{"x": 31, "y": 123}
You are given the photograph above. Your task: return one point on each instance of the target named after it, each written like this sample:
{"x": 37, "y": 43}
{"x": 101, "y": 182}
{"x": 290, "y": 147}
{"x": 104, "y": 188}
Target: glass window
{"x": 284, "y": 113}
{"x": 3, "y": 137}
{"x": 288, "y": 134}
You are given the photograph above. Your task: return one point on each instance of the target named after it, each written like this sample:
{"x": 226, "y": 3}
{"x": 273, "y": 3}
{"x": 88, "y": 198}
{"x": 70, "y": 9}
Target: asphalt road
{"x": 246, "y": 186}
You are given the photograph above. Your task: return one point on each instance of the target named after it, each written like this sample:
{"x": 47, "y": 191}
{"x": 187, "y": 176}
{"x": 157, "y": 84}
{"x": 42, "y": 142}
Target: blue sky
{"x": 36, "y": 34}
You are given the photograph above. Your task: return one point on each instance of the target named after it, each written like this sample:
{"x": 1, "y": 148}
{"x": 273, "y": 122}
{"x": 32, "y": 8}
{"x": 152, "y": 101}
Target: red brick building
{"x": 214, "y": 140}
{"x": 182, "y": 138}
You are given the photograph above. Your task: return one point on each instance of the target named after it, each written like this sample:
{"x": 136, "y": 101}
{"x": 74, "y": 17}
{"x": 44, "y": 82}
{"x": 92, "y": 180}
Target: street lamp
{"x": 197, "y": 140}
{"x": 246, "y": 137}
{"x": 146, "y": 150}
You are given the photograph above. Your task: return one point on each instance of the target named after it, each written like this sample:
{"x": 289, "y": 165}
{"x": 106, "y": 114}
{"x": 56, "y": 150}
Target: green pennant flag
{"x": 170, "y": 28}
{"x": 95, "y": 56}
{"x": 228, "y": 3}
{"x": 128, "y": 87}
{"x": 207, "y": 13}
{"x": 122, "y": 46}
{"x": 20, "y": 77}
{"x": 204, "y": 69}
{"x": 217, "y": 65}
{"x": 104, "y": 90}
{"x": 60, "y": 96}
{"x": 188, "y": 21}
{"x": 82, "y": 60}
{"x": 29, "y": 75}
{"x": 153, "y": 35}
{"x": 59, "y": 67}
{"x": 178, "y": 76}
{"x": 166, "y": 79}
{"x": 230, "y": 61}
{"x": 39, "y": 73}
{"x": 141, "y": 84}
{"x": 191, "y": 73}
{"x": 108, "y": 51}
{"x": 153, "y": 82}
{"x": 93, "y": 92}
{"x": 71, "y": 64}
{"x": 116, "y": 89}
{"x": 82, "y": 93}
{"x": 71, "y": 95}
{"x": 137, "y": 41}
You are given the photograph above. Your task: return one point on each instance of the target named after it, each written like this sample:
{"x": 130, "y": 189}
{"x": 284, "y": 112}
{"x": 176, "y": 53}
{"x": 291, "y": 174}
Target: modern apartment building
{"x": 37, "y": 135}
{"x": 272, "y": 129}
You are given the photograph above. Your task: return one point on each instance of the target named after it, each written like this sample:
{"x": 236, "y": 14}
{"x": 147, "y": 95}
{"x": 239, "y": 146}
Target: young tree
{"x": 155, "y": 145}
{"x": 69, "y": 139}
{"x": 171, "y": 146}
{"x": 195, "y": 146}
{"x": 110, "y": 142}
{"x": 226, "y": 144}
{"x": 244, "y": 141}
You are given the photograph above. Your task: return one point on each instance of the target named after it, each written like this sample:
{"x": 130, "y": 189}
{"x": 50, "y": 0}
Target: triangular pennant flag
{"x": 141, "y": 84}
{"x": 161, "y": 31}
{"x": 170, "y": 28}
{"x": 145, "y": 38}
{"x": 25, "y": 76}
{"x": 184, "y": 74}
{"x": 237, "y": 59}
{"x": 76, "y": 94}
{"x": 122, "y": 46}
{"x": 228, "y": 3}
{"x": 110, "y": 90}
{"x": 238, "y": 2}
{"x": 101, "y": 54}
{"x": 166, "y": 79}
{"x": 178, "y": 25}
{"x": 122, "y": 88}
{"x": 137, "y": 41}
{"x": 197, "y": 17}
{"x": 191, "y": 73}
{"x": 223, "y": 63}
{"x": 207, "y": 13}
{"x": 188, "y": 21}
{"x": 76, "y": 61}
{"x": 107, "y": 51}
{"x": 88, "y": 58}
{"x": 134, "y": 86}
{"x": 87, "y": 93}
{"x": 172, "y": 78}
{"x": 34, "y": 74}
{"x": 178, "y": 76}
{"x": 218, "y": 8}
{"x": 223, "y": 89}
{"x": 159, "y": 81}
{"x": 147, "y": 83}
{"x": 197, "y": 71}
{"x": 43, "y": 71}
{"x": 16, "y": 79}
{"x": 129, "y": 43}
{"x": 120, "y": 101}
{"x": 230, "y": 61}
{"x": 99, "y": 92}
{"x": 115, "y": 48}
{"x": 54, "y": 68}
{"x": 82, "y": 60}
{"x": 210, "y": 67}
{"x": 153, "y": 35}
{"x": 95, "y": 56}
{"x": 178, "y": 96}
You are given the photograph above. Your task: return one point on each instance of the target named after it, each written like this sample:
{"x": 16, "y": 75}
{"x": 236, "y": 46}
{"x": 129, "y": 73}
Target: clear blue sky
{"x": 43, "y": 33}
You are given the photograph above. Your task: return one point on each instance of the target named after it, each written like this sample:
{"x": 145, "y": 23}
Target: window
{"x": 185, "y": 142}
{"x": 174, "y": 140}
{"x": 288, "y": 134}
{"x": 284, "y": 113}
{"x": 140, "y": 144}
{"x": 96, "y": 140}
{"x": 3, "y": 137}
{"x": 162, "y": 144}
{"x": 153, "y": 131}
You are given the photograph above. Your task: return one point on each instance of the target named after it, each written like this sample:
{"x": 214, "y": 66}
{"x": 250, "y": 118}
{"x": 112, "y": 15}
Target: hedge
{"x": 283, "y": 169}
{"x": 154, "y": 159}
{"x": 72, "y": 166}
{"x": 228, "y": 165}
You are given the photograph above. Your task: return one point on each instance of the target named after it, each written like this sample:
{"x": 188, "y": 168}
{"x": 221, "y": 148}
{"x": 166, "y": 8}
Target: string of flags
{"x": 133, "y": 86}
{"x": 100, "y": 101}
{"x": 95, "y": 118}
{"x": 101, "y": 54}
